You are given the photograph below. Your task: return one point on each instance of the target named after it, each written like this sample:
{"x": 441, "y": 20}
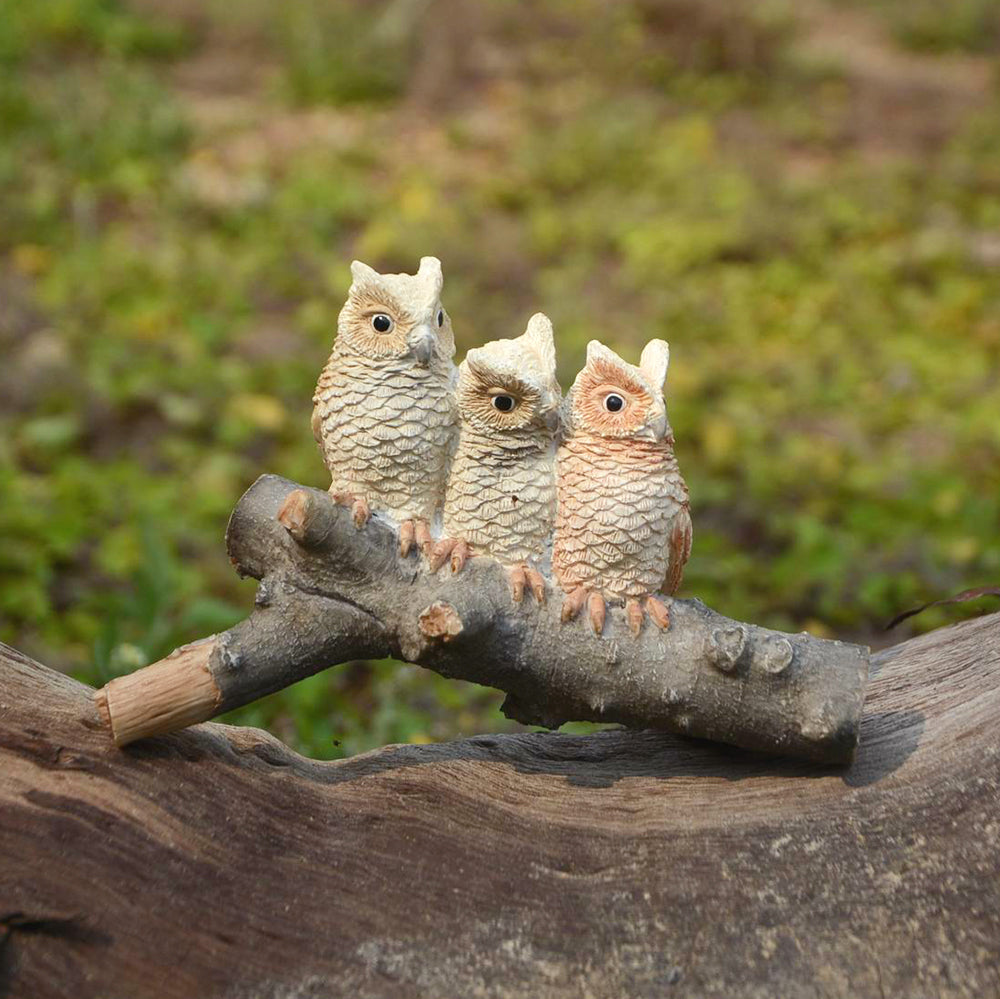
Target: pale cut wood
{"x": 216, "y": 863}
{"x": 331, "y": 593}
{"x": 175, "y": 692}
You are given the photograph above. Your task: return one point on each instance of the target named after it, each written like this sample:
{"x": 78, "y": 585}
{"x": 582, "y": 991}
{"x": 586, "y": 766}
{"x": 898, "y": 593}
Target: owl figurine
{"x": 501, "y": 493}
{"x": 623, "y": 526}
{"x": 384, "y": 410}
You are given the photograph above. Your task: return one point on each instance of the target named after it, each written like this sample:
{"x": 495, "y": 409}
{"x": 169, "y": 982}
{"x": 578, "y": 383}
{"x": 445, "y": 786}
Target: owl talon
{"x": 406, "y": 536}
{"x": 423, "y": 535}
{"x": 596, "y": 611}
{"x": 659, "y": 612}
{"x": 522, "y": 576}
{"x": 537, "y": 583}
{"x": 360, "y": 513}
{"x": 460, "y": 554}
{"x": 455, "y": 550}
{"x": 573, "y": 603}
{"x": 441, "y": 553}
{"x": 517, "y": 580}
{"x": 633, "y": 611}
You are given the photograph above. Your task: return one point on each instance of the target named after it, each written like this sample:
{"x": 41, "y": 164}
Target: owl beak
{"x": 656, "y": 430}
{"x": 421, "y": 343}
{"x": 552, "y": 420}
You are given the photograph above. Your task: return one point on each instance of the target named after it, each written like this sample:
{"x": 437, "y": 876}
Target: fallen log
{"x": 215, "y": 862}
{"x": 330, "y": 593}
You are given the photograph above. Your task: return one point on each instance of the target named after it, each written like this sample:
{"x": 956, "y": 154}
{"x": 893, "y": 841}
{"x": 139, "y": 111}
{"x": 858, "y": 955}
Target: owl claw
{"x": 633, "y": 611}
{"x": 415, "y": 531}
{"x": 596, "y": 611}
{"x": 522, "y": 576}
{"x": 537, "y": 583}
{"x": 423, "y": 536}
{"x": 659, "y": 612}
{"x": 573, "y": 603}
{"x": 360, "y": 513}
{"x": 517, "y": 580}
{"x": 460, "y": 554}
{"x": 406, "y": 536}
{"x": 453, "y": 549}
{"x": 441, "y": 553}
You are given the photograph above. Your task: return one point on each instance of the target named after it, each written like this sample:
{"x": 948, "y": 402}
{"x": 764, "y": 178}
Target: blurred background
{"x": 802, "y": 197}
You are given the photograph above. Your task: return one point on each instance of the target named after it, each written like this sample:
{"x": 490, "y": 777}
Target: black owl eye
{"x": 440, "y": 317}
{"x": 504, "y": 403}
{"x": 614, "y": 403}
{"x": 381, "y": 323}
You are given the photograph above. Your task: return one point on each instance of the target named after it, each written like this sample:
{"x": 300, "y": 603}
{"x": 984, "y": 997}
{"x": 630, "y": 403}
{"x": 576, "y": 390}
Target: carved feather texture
{"x": 384, "y": 410}
{"x": 623, "y": 526}
{"x": 501, "y": 489}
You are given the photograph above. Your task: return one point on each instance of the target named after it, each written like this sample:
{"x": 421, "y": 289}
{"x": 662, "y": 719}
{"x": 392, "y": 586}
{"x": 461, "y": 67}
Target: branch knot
{"x": 440, "y": 620}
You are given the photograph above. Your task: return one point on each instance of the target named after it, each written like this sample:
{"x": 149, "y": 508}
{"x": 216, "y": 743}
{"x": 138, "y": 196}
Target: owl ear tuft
{"x": 596, "y": 352}
{"x": 654, "y": 361}
{"x": 430, "y": 273}
{"x": 541, "y": 338}
{"x": 362, "y": 273}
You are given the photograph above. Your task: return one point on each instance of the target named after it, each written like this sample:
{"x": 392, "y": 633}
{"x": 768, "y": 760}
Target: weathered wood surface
{"x": 215, "y": 862}
{"x": 330, "y": 593}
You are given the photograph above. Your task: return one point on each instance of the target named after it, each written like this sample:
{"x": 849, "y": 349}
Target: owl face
{"x": 611, "y": 398}
{"x": 510, "y": 386}
{"x": 397, "y": 316}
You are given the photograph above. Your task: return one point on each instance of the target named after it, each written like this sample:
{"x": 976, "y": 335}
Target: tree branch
{"x": 330, "y": 593}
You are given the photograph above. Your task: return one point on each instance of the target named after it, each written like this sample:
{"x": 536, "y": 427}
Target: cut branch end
{"x": 170, "y": 694}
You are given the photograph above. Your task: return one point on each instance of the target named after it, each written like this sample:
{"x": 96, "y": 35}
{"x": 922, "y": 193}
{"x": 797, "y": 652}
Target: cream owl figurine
{"x": 501, "y": 494}
{"x": 623, "y": 527}
{"x": 384, "y": 411}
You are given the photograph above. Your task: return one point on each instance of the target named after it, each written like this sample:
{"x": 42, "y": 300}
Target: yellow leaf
{"x": 964, "y": 549}
{"x": 947, "y": 501}
{"x": 684, "y": 379}
{"x": 719, "y": 436}
{"x": 818, "y": 628}
{"x": 31, "y": 259}
{"x": 263, "y": 411}
{"x": 416, "y": 202}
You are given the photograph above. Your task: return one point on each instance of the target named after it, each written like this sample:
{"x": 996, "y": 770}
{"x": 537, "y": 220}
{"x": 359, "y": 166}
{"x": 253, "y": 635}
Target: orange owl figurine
{"x": 623, "y": 523}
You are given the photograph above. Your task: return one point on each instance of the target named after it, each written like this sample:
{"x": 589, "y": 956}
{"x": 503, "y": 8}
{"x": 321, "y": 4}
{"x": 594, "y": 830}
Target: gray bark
{"x": 330, "y": 593}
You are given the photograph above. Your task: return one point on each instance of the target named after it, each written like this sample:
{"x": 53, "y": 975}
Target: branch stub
{"x": 440, "y": 620}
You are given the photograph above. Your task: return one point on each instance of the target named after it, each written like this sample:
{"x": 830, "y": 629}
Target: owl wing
{"x": 317, "y": 426}
{"x": 678, "y": 549}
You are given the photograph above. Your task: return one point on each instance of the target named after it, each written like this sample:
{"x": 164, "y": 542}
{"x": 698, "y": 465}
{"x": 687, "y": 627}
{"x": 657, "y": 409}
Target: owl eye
{"x": 440, "y": 317}
{"x": 613, "y": 402}
{"x": 504, "y": 403}
{"x": 381, "y": 323}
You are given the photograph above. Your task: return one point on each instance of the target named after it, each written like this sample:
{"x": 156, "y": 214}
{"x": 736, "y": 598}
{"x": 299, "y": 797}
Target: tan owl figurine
{"x": 623, "y": 526}
{"x": 501, "y": 494}
{"x": 384, "y": 411}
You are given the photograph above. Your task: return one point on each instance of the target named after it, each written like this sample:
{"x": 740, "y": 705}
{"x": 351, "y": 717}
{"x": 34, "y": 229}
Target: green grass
{"x": 170, "y": 281}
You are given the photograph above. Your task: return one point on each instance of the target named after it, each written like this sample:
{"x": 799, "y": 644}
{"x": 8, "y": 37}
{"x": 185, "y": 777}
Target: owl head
{"x": 510, "y": 386}
{"x": 611, "y": 398}
{"x": 397, "y": 316}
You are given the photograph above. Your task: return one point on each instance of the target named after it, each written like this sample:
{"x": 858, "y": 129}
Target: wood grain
{"x": 215, "y": 862}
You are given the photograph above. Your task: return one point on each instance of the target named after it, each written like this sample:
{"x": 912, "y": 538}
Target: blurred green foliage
{"x": 182, "y": 186}
{"x": 930, "y": 26}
